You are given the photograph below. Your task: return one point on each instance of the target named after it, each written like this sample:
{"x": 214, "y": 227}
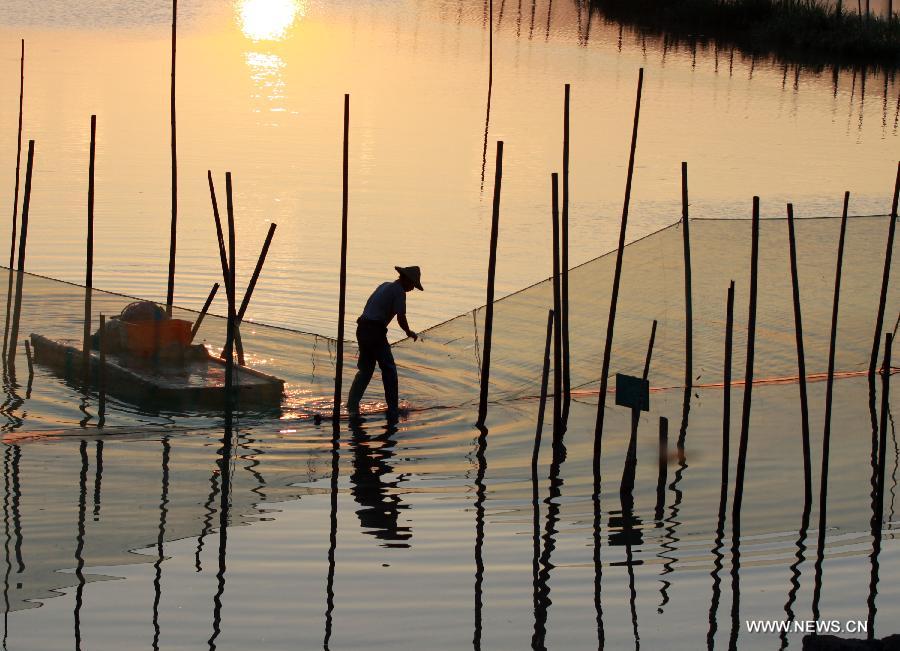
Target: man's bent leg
{"x": 366, "y": 366}
{"x": 389, "y": 378}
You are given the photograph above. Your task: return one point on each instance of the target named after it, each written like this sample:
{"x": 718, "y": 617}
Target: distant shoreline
{"x": 797, "y": 30}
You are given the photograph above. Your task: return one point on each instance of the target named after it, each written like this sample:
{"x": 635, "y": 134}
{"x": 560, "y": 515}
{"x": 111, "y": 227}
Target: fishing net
{"x": 446, "y": 360}
{"x": 443, "y": 367}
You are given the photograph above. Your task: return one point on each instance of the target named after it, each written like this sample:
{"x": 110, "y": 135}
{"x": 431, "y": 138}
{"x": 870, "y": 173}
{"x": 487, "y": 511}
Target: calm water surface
{"x": 260, "y": 89}
{"x": 435, "y": 534}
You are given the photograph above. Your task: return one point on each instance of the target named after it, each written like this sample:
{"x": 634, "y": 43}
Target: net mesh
{"x": 443, "y": 367}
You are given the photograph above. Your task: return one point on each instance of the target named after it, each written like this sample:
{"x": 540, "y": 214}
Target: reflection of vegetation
{"x": 801, "y": 29}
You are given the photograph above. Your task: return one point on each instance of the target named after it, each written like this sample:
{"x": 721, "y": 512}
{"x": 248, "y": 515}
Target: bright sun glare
{"x": 268, "y": 20}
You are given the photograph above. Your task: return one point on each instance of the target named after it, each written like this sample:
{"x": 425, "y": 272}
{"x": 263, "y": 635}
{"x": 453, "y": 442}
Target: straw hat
{"x": 412, "y": 273}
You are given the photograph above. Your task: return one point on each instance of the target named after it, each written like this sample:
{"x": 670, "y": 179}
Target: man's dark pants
{"x": 374, "y": 349}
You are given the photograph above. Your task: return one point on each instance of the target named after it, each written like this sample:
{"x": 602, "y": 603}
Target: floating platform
{"x": 197, "y": 382}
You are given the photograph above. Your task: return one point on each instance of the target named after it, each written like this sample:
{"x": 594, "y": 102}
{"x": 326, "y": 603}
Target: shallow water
{"x": 260, "y": 90}
{"x": 434, "y": 534}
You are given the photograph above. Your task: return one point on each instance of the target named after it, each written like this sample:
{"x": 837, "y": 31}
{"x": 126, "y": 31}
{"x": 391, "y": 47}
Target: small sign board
{"x": 633, "y": 392}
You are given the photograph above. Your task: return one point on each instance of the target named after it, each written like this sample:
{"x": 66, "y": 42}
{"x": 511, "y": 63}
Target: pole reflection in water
{"x": 98, "y": 479}
{"x": 878, "y": 497}
{"x": 160, "y": 540}
{"x": 79, "y": 542}
{"x": 332, "y": 534}
{"x": 480, "y": 496}
{"x": 549, "y": 545}
{"x": 224, "y": 463}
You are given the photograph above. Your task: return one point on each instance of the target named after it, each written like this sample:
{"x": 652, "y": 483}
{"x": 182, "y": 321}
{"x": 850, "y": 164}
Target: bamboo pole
{"x": 688, "y": 305}
{"x": 12, "y": 242}
{"x": 663, "y": 467}
{"x": 886, "y": 276}
{"x": 339, "y": 362}
{"x": 23, "y": 240}
{"x": 489, "y": 305}
{"x": 223, "y": 256}
{"x": 15, "y": 215}
{"x": 564, "y": 287}
{"x": 557, "y": 316}
{"x": 173, "y": 231}
{"x": 829, "y": 394}
{"x": 204, "y": 310}
{"x": 726, "y": 406}
{"x": 230, "y": 327}
{"x": 801, "y": 359}
{"x": 89, "y": 265}
{"x": 101, "y": 388}
{"x": 607, "y": 350}
{"x": 249, "y": 293}
{"x": 545, "y": 375}
{"x": 748, "y": 381}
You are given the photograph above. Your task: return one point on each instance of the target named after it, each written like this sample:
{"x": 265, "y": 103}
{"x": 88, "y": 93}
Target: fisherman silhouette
{"x": 387, "y": 301}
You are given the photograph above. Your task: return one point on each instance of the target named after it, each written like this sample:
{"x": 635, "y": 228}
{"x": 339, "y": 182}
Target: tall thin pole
{"x": 688, "y": 302}
{"x": 12, "y": 242}
{"x": 801, "y": 359}
{"x": 607, "y": 349}
{"x": 89, "y": 265}
{"x": 726, "y": 404}
{"x": 886, "y": 276}
{"x": 557, "y": 318}
{"x": 829, "y": 394}
{"x": 564, "y": 287}
{"x": 545, "y": 376}
{"x": 230, "y": 326}
{"x": 23, "y": 240}
{"x": 489, "y": 305}
{"x": 688, "y": 313}
{"x": 15, "y": 215}
{"x": 170, "y": 293}
{"x": 339, "y": 362}
{"x": 748, "y": 381}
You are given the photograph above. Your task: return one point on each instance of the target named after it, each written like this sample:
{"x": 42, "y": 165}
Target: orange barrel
{"x": 145, "y": 338}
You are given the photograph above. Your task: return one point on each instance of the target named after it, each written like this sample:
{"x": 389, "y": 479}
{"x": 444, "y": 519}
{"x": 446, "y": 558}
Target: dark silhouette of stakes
{"x": 564, "y": 287}
{"x": 89, "y": 267}
{"x": 745, "y": 430}
{"x": 886, "y": 276}
{"x": 101, "y": 381}
{"x": 748, "y": 380}
{"x": 15, "y": 215}
{"x": 723, "y": 491}
{"x": 199, "y": 321}
{"x": 688, "y": 311}
{"x": 801, "y": 359}
{"x": 663, "y": 467}
{"x": 545, "y": 373}
{"x": 173, "y": 230}
{"x": 826, "y": 433}
{"x": 339, "y": 361}
{"x": 20, "y": 276}
{"x": 230, "y": 327}
{"x": 557, "y": 317}
{"x": 489, "y": 304}
{"x": 610, "y": 327}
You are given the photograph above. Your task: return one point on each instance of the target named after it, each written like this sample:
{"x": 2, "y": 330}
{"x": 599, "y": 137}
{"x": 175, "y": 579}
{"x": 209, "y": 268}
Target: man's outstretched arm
{"x": 401, "y": 319}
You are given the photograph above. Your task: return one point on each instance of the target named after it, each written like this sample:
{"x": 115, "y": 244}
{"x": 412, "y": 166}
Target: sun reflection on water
{"x": 269, "y": 20}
